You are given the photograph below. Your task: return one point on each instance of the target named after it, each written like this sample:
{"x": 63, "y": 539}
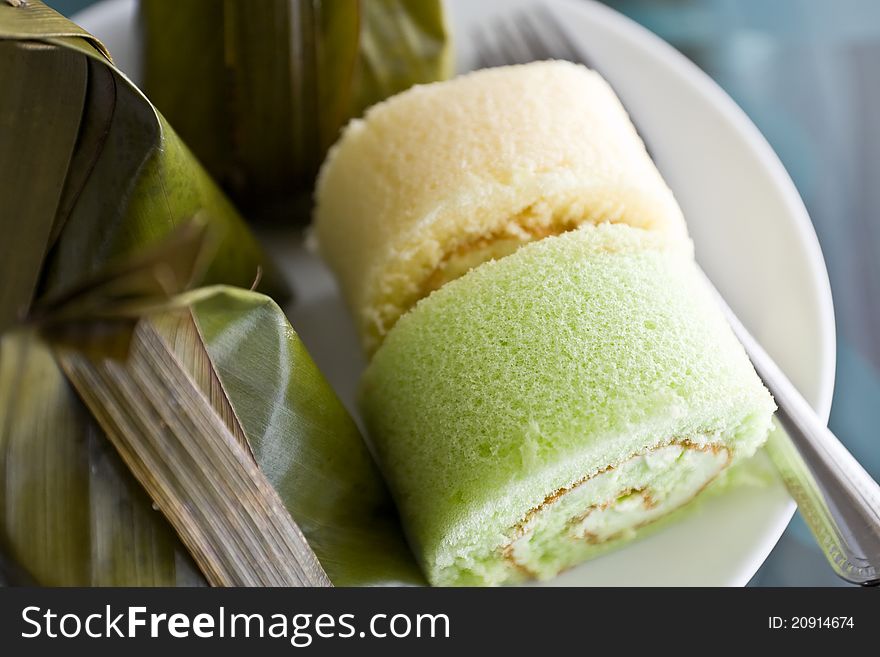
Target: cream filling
{"x": 610, "y": 505}
{"x": 472, "y": 255}
{"x": 531, "y": 224}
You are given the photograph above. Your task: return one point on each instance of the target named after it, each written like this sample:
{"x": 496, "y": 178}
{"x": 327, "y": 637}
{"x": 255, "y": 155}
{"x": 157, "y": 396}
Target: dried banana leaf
{"x": 218, "y": 412}
{"x": 259, "y": 384}
{"x": 91, "y": 171}
{"x": 71, "y": 513}
{"x": 98, "y": 201}
{"x": 279, "y": 78}
{"x": 188, "y": 459}
{"x": 304, "y": 439}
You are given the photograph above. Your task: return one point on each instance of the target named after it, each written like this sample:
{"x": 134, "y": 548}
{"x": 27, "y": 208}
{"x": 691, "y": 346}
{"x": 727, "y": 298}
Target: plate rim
{"x": 736, "y": 118}
{"x": 675, "y": 63}
{"x": 702, "y": 83}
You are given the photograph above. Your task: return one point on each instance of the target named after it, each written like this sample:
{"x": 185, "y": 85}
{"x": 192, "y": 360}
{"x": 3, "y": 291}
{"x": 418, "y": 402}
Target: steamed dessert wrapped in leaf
{"x": 546, "y": 405}
{"x": 444, "y": 176}
{"x": 277, "y": 79}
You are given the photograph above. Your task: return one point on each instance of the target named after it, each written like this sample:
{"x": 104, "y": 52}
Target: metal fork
{"x": 837, "y": 497}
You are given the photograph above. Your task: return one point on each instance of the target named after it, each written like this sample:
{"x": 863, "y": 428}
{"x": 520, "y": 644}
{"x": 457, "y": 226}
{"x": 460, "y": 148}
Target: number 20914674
{"x": 810, "y": 622}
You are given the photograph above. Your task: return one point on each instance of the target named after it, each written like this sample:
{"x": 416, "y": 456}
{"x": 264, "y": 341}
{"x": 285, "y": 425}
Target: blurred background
{"x": 808, "y": 74}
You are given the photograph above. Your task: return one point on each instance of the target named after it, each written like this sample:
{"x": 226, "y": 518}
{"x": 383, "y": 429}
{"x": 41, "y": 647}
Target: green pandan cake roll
{"x": 547, "y": 405}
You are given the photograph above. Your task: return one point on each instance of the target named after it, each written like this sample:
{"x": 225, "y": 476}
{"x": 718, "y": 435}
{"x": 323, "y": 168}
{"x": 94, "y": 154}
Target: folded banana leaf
{"x": 303, "y": 439}
{"x": 71, "y": 512}
{"x": 215, "y": 409}
{"x": 277, "y": 80}
{"x": 151, "y": 435}
{"x": 91, "y": 171}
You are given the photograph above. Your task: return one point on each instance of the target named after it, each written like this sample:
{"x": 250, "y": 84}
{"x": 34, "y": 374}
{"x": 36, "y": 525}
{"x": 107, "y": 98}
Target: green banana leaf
{"x": 189, "y": 460}
{"x": 139, "y": 420}
{"x": 256, "y": 376}
{"x": 91, "y": 171}
{"x": 279, "y": 80}
{"x": 71, "y": 513}
{"x": 403, "y": 42}
{"x": 304, "y": 440}
{"x": 217, "y": 374}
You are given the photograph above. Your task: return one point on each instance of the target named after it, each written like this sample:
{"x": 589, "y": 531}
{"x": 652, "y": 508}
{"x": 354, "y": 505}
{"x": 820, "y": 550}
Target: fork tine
{"x": 539, "y": 46}
{"x": 515, "y": 40}
{"x": 565, "y": 47}
{"x": 544, "y": 22}
{"x": 512, "y": 45}
{"x": 535, "y": 35}
{"x": 488, "y": 54}
{"x": 527, "y": 36}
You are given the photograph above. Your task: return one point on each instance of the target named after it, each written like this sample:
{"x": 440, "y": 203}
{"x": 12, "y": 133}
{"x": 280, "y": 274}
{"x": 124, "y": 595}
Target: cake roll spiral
{"x": 549, "y": 404}
{"x": 445, "y": 176}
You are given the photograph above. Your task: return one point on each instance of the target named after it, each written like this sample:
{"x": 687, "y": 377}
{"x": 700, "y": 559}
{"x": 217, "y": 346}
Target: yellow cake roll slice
{"x": 443, "y": 177}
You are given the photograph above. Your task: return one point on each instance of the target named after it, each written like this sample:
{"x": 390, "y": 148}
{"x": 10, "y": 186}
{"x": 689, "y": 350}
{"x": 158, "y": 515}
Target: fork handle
{"x": 836, "y": 496}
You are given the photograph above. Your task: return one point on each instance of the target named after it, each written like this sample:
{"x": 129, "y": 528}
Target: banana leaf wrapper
{"x": 73, "y": 511}
{"x": 72, "y": 514}
{"x": 97, "y": 202}
{"x": 277, "y": 79}
{"x": 91, "y": 171}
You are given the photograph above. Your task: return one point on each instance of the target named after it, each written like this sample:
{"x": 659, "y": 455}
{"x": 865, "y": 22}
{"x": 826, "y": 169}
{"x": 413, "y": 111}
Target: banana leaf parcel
{"x": 152, "y": 433}
{"x": 278, "y": 79}
{"x": 91, "y": 171}
{"x": 220, "y": 420}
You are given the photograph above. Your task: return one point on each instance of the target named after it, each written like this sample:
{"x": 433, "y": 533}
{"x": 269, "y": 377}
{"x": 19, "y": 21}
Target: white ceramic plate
{"x": 753, "y": 237}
